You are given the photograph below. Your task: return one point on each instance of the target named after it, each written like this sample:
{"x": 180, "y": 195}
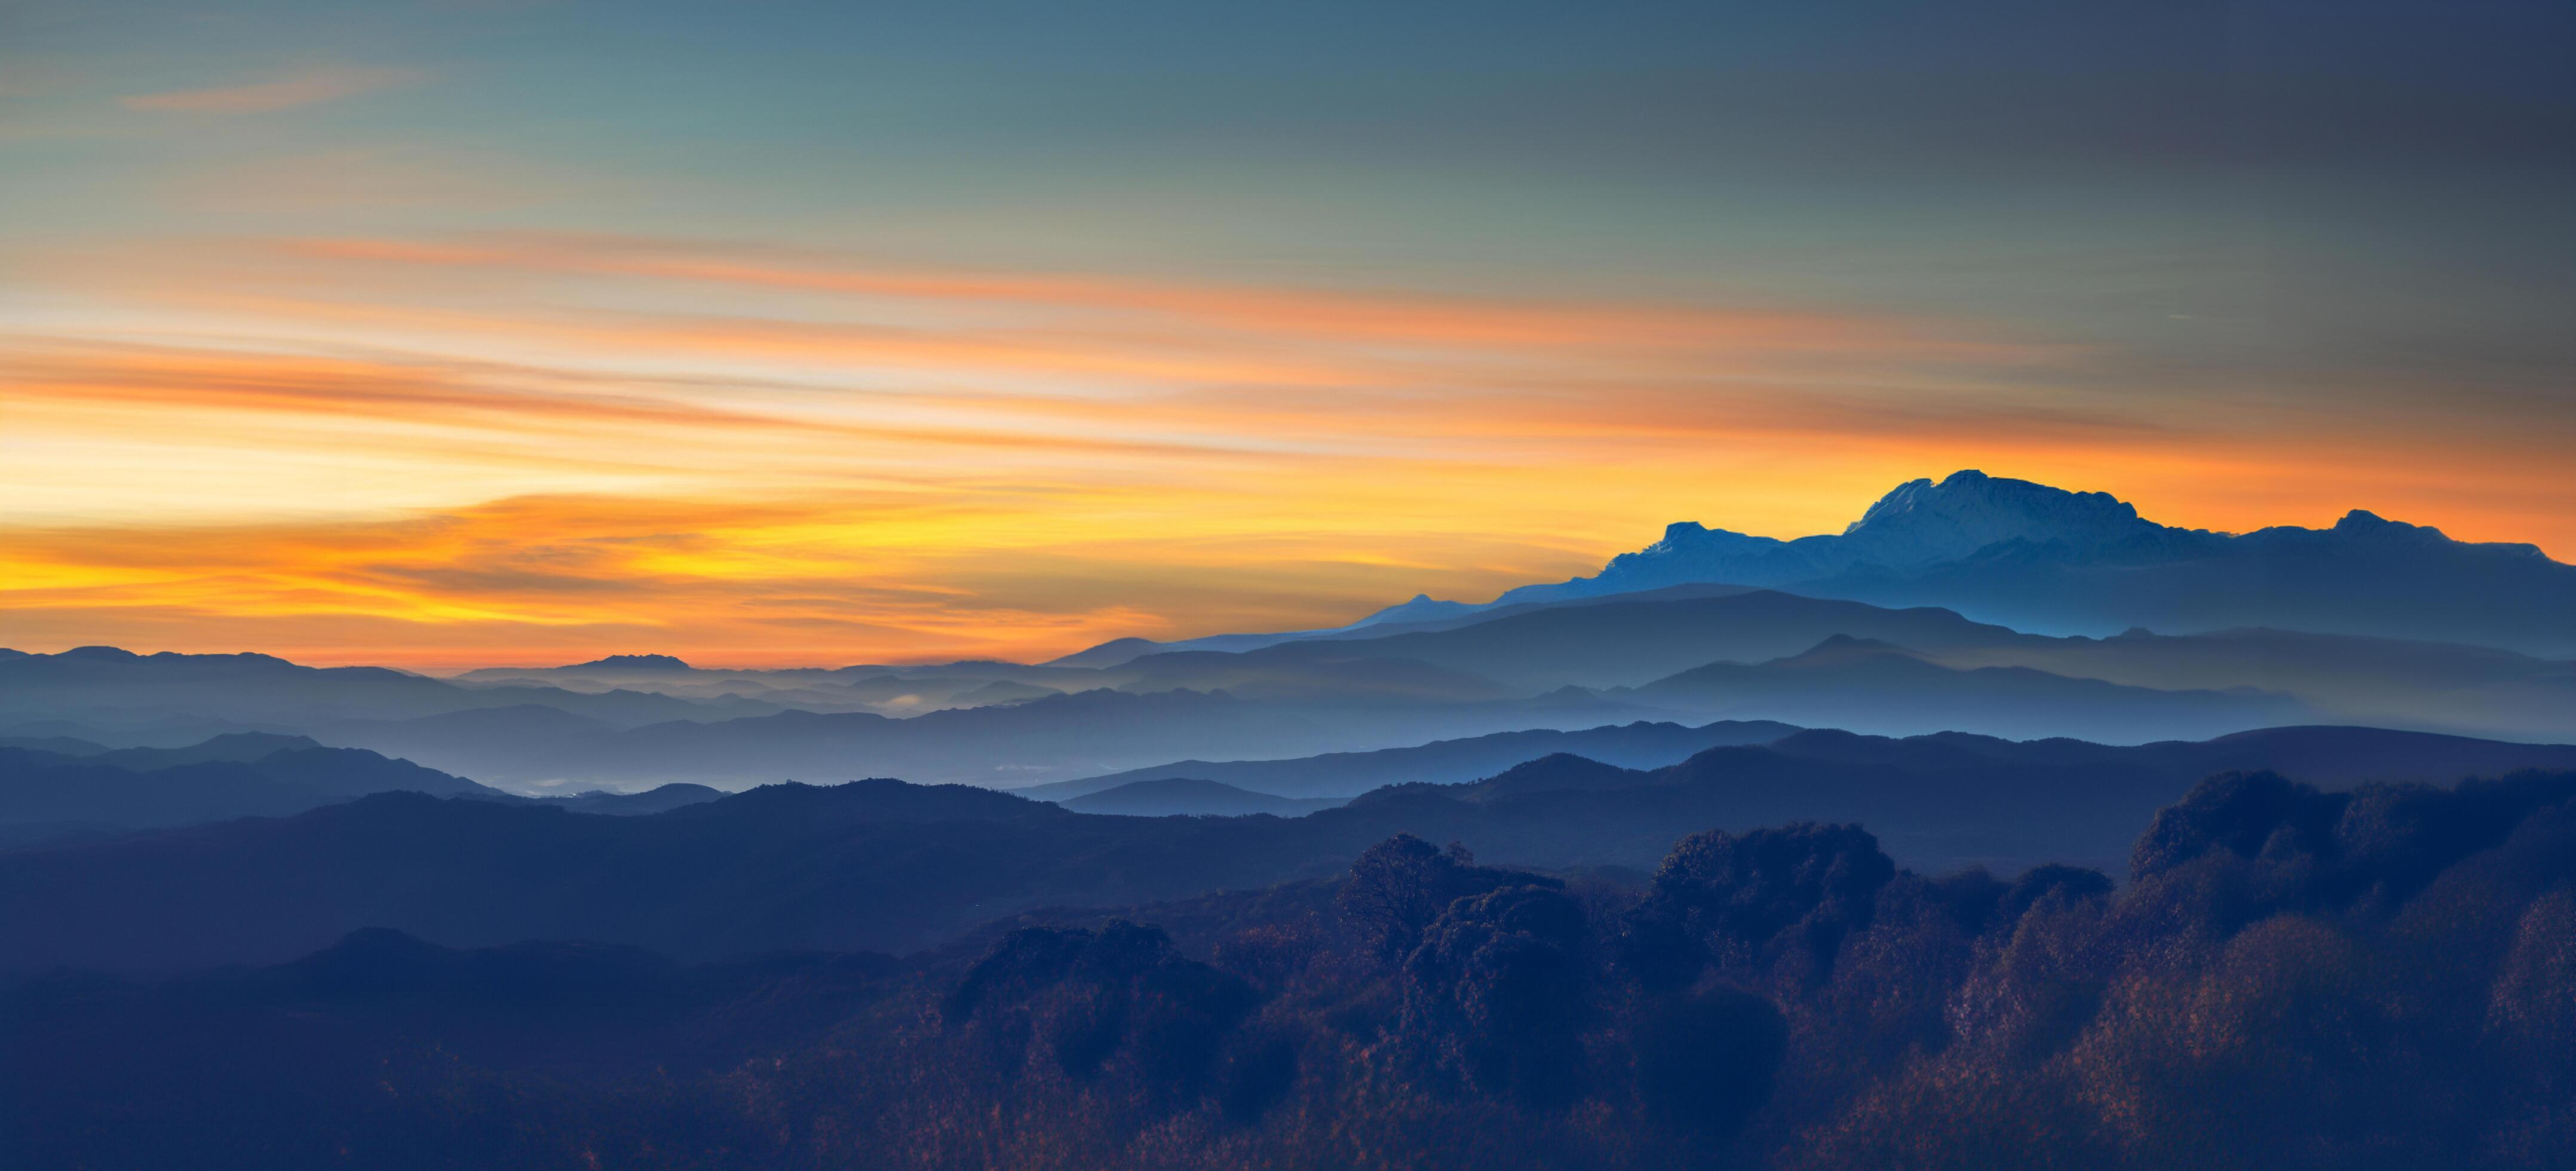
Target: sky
{"x": 485, "y": 332}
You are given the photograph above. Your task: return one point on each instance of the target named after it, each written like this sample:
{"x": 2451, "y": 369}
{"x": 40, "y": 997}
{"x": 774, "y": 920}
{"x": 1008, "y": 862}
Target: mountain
{"x": 232, "y": 746}
{"x": 1348, "y": 774}
{"x": 1418, "y": 615}
{"x": 1176, "y": 796}
{"x": 109, "y": 687}
{"x": 2045, "y": 559}
{"x": 1617, "y": 641}
{"x": 45, "y": 796}
{"x": 885, "y": 690}
{"x": 1880, "y": 687}
{"x": 2280, "y": 956}
{"x": 637, "y": 663}
{"x": 2363, "y": 576}
{"x": 1634, "y": 639}
{"x": 1052, "y": 736}
{"x": 1561, "y": 772}
{"x": 59, "y": 745}
{"x": 2454, "y": 687}
{"x": 659, "y": 799}
{"x": 1918, "y": 524}
{"x": 887, "y": 865}
{"x": 488, "y": 742}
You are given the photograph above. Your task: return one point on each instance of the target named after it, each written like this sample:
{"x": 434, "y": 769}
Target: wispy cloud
{"x": 505, "y": 448}
{"x": 310, "y": 87}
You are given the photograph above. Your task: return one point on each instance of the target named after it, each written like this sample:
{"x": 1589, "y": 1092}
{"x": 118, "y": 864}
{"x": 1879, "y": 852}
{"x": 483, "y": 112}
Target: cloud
{"x": 311, "y": 87}
{"x": 526, "y": 448}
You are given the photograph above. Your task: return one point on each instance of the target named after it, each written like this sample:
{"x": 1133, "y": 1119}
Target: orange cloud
{"x": 311, "y": 87}
{"x": 532, "y": 448}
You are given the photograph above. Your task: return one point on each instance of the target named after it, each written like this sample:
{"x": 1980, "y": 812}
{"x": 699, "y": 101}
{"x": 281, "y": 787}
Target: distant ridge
{"x": 49, "y": 795}
{"x": 2048, "y": 560}
{"x": 1347, "y": 774}
{"x": 636, "y": 663}
{"x": 1188, "y": 796}
{"x": 881, "y": 864}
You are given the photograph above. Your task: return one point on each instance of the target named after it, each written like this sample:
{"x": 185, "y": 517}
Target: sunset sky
{"x": 491, "y": 332}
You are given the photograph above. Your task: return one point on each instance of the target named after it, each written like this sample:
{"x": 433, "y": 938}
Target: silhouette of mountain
{"x": 488, "y": 742}
{"x": 105, "y": 686}
{"x": 2287, "y": 974}
{"x": 1623, "y": 642}
{"x": 58, "y": 745}
{"x": 1349, "y": 774}
{"x": 1110, "y": 653}
{"x": 2044, "y": 559}
{"x": 885, "y": 690}
{"x": 888, "y": 865}
{"x": 659, "y": 799}
{"x": 1879, "y": 687}
{"x": 234, "y": 746}
{"x": 1173, "y": 796}
{"x": 1055, "y": 735}
{"x": 1633, "y": 640}
{"x": 2363, "y": 576}
{"x": 1560, "y": 772}
{"x": 46, "y": 796}
{"x": 637, "y": 663}
{"x": 1419, "y": 615}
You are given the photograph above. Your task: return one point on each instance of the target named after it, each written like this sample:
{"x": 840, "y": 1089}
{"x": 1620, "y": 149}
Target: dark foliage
{"x": 1402, "y": 883}
{"x": 2293, "y": 978}
{"x": 1738, "y": 900}
{"x": 1499, "y": 983}
{"x": 882, "y": 865}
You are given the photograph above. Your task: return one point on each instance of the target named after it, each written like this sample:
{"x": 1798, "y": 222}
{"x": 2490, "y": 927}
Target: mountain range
{"x": 882, "y": 864}
{"x": 2048, "y": 560}
{"x": 1641, "y": 744}
{"x": 2367, "y": 623}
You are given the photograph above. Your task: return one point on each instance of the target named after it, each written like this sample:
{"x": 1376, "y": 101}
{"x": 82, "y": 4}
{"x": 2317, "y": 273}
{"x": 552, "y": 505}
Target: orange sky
{"x": 815, "y": 334}
{"x": 517, "y": 448}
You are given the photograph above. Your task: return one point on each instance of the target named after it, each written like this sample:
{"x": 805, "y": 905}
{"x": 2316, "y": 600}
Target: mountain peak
{"x": 637, "y": 663}
{"x": 1922, "y": 521}
{"x": 2361, "y": 522}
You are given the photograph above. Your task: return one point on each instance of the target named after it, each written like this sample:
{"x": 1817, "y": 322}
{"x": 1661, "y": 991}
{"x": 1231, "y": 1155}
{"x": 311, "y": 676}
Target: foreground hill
{"x": 883, "y": 865}
{"x": 2374, "y": 978}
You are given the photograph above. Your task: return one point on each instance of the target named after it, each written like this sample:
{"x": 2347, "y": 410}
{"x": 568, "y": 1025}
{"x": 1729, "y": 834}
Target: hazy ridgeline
{"x": 1669, "y": 866}
{"x": 2384, "y": 977}
{"x": 1979, "y": 605}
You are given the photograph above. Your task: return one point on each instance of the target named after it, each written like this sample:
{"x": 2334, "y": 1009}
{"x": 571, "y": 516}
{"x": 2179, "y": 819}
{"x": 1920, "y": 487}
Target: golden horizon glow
{"x": 524, "y": 449}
